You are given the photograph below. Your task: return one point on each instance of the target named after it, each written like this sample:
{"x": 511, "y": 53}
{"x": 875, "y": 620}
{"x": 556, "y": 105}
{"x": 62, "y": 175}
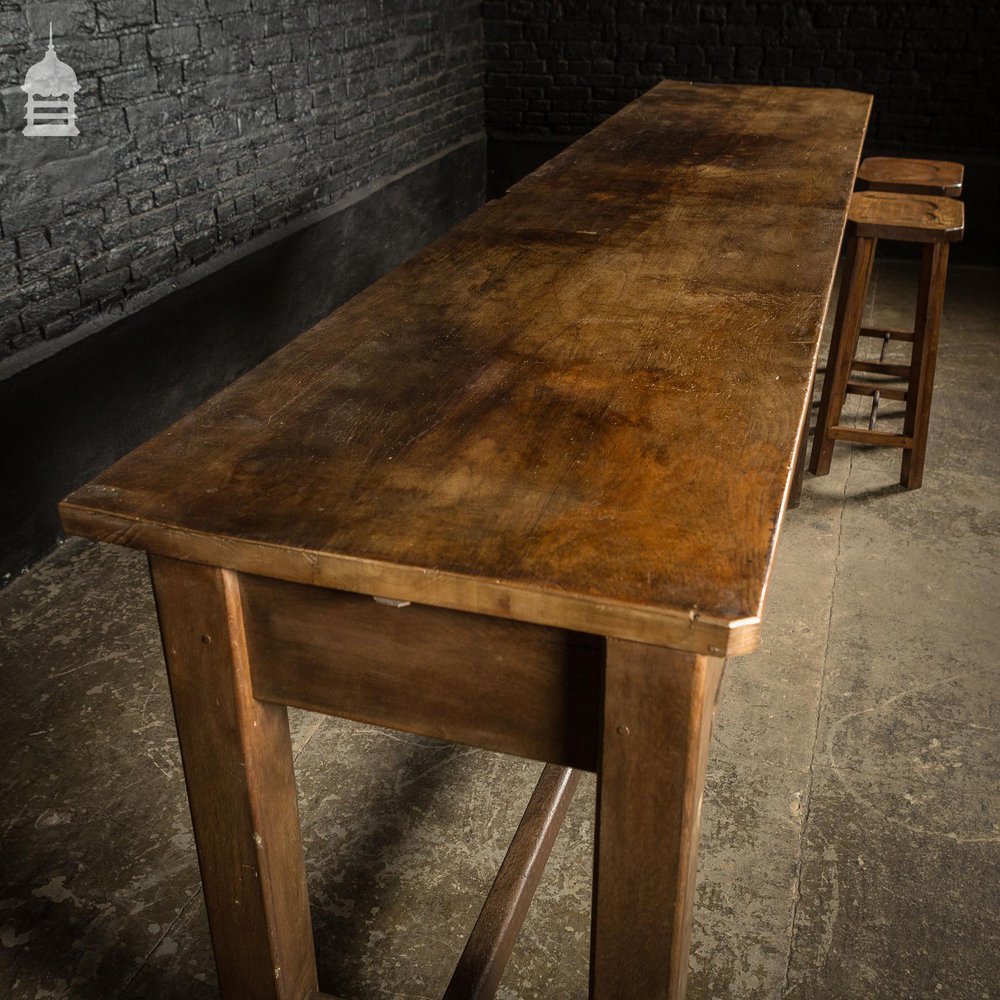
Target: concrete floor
{"x": 851, "y": 842}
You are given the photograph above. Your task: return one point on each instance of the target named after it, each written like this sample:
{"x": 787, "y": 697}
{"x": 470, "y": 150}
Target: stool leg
{"x": 795, "y": 493}
{"x": 930, "y": 298}
{"x": 801, "y": 450}
{"x": 850, "y": 309}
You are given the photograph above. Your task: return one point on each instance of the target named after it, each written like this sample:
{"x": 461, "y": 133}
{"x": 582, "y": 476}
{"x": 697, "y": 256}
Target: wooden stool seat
{"x": 909, "y": 176}
{"x": 915, "y": 218}
{"x": 935, "y": 221}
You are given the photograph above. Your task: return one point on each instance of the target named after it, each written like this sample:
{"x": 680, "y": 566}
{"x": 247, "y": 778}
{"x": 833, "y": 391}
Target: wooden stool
{"x": 935, "y": 222}
{"x": 900, "y": 175}
{"x": 907, "y": 176}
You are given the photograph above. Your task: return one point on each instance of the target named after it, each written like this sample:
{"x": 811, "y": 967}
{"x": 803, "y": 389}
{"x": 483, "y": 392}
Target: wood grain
{"x": 506, "y": 686}
{"x": 659, "y": 706}
{"x": 911, "y": 176}
{"x": 238, "y": 768}
{"x": 580, "y": 406}
{"x": 913, "y": 218}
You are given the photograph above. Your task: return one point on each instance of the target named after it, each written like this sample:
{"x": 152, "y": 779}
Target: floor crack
{"x": 195, "y": 894}
{"x": 786, "y": 989}
{"x": 307, "y": 740}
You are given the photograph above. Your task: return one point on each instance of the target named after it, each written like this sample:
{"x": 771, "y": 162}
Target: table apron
{"x": 512, "y": 687}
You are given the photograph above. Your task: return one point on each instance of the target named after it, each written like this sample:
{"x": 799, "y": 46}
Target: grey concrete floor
{"x": 851, "y": 843}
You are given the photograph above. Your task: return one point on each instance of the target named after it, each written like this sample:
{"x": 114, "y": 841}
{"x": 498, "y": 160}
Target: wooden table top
{"x": 578, "y": 408}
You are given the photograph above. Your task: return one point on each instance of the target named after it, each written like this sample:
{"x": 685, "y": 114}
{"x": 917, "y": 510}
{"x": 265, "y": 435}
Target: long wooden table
{"x": 556, "y": 446}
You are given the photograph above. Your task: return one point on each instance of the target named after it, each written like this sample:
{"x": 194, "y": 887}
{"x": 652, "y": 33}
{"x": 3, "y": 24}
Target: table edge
{"x": 653, "y": 625}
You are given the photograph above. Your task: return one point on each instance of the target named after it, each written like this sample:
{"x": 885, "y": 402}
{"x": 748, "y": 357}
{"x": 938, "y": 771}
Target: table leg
{"x": 658, "y": 709}
{"x": 241, "y": 788}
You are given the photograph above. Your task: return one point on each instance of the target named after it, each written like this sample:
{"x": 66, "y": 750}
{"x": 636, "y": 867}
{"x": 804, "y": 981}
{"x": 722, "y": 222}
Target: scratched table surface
{"x": 578, "y": 408}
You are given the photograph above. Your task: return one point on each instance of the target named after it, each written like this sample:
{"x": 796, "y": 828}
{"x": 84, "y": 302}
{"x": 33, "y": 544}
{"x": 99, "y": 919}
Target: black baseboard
{"x": 70, "y": 415}
{"x": 509, "y": 158}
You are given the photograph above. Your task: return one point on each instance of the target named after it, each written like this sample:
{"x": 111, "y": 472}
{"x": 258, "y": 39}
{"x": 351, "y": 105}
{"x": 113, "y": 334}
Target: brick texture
{"x": 561, "y": 67}
{"x": 205, "y": 123}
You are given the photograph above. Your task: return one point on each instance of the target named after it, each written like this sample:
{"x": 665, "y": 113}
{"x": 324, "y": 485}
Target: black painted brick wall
{"x": 561, "y": 67}
{"x": 205, "y": 123}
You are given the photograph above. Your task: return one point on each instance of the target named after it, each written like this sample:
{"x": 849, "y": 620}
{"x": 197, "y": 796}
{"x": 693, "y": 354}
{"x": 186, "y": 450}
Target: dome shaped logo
{"x": 50, "y": 86}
